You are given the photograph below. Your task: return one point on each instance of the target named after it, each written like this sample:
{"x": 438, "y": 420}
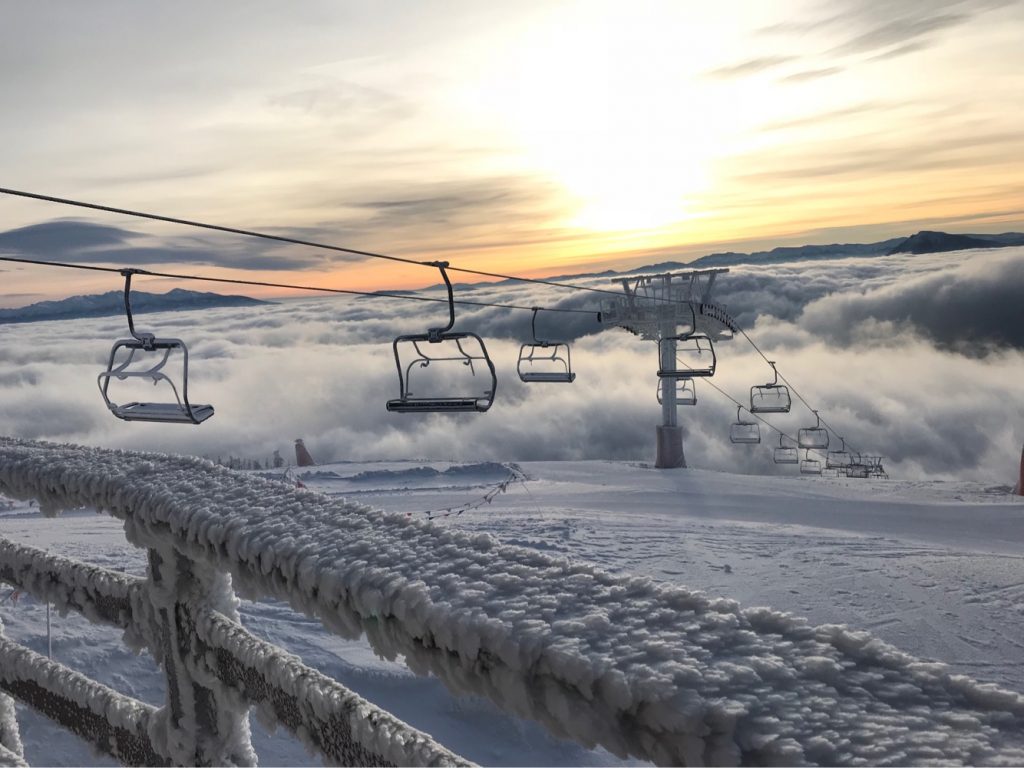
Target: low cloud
{"x": 974, "y": 307}
{"x": 877, "y": 344}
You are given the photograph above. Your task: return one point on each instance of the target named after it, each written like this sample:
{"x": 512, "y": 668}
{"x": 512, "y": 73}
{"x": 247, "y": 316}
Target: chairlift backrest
{"x": 138, "y": 347}
{"x": 443, "y": 349}
{"x": 686, "y": 390}
{"x": 815, "y": 437}
{"x": 838, "y": 459}
{"x": 785, "y": 454}
{"x": 810, "y": 466}
{"x": 544, "y": 361}
{"x": 694, "y": 356}
{"x": 771, "y": 397}
{"x": 745, "y": 432}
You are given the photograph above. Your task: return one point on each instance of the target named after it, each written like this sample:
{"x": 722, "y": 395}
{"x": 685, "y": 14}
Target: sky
{"x": 531, "y": 137}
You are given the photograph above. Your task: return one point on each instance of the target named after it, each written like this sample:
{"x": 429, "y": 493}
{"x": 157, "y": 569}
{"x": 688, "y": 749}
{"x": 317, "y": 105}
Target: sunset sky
{"x": 526, "y": 137}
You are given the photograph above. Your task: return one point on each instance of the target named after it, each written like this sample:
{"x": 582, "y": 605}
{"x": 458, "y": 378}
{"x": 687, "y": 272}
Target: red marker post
{"x": 1020, "y": 480}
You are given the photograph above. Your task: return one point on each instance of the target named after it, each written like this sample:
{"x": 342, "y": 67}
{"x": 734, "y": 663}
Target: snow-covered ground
{"x": 935, "y": 568}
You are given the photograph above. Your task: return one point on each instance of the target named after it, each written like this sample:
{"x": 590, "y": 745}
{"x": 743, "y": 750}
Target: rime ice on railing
{"x": 644, "y": 669}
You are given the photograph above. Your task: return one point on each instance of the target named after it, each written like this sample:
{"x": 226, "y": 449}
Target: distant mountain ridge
{"x": 112, "y": 303}
{"x": 920, "y": 243}
{"x": 927, "y": 241}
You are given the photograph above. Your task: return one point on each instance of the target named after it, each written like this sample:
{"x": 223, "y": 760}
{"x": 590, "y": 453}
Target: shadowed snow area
{"x": 639, "y": 666}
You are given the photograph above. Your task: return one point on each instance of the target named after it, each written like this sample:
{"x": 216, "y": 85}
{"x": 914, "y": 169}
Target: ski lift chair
{"x": 875, "y": 468}
{"x": 809, "y": 466}
{"x": 785, "y": 454}
{"x": 441, "y": 347}
{"x": 181, "y": 411}
{"x": 695, "y": 351}
{"x": 815, "y": 437}
{"x": 857, "y": 468}
{"x": 838, "y": 459}
{"x": 544, "y": 361}
{"x": 771, "y": 397}
{"x": 744, "y": 432}
{"x": 686, "y": 391}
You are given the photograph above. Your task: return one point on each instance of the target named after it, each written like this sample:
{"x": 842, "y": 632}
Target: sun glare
{"x": 610, "y": 104}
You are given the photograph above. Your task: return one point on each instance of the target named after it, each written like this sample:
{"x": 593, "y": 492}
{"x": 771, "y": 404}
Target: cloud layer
{"x": 918, "y": 358}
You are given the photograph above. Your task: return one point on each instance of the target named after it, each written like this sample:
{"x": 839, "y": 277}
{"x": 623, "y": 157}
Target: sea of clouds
{"x": 917, "y": 358}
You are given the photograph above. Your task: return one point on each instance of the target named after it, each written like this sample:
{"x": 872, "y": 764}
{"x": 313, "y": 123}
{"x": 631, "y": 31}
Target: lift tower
{"x": 664, "y": 308}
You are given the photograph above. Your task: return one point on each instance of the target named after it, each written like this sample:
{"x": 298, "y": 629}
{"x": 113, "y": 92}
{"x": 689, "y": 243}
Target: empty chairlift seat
{"x": 146, "y": 357}
{"x": 686, "y": 390}
{"x": 857, "y": 468}
{"x": 785, "y": 454}
{"x": 815, "y": 437}
{"x": 809, "y": 466}
{"x": 839, "y": 459}
{"x": 771, "y": 397}
{"x": 744, "y": 432}
{"x": 544, "y": 361}
{"x": 442, "y": 370}
{"x": 694, "y": 356}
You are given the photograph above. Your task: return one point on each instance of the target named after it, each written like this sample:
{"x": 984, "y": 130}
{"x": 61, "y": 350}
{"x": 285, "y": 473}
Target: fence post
{"x": 204, "y": 722}
{"x": 10, "y": 734}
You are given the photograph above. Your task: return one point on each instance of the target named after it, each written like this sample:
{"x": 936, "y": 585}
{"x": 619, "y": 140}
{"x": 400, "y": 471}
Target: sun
{"x": 602, "y": 101}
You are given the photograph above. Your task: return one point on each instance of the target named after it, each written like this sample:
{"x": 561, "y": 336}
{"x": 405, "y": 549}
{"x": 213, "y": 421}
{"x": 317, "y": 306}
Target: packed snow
{"x": 507, "y": 603}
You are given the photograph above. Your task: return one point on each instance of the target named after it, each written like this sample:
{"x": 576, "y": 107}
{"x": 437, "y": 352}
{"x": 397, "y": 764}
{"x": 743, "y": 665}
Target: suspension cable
{"x": 293, "y": 240}
{"x": 315, "y": 288}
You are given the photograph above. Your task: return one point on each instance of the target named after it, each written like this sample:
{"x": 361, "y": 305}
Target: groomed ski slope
{"x": 641, "y": 667}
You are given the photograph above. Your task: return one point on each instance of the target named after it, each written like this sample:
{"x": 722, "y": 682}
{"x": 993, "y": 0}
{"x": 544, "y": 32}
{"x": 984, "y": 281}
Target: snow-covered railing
{"x": 331, "y": 719}
{"x": 645, "y": 669}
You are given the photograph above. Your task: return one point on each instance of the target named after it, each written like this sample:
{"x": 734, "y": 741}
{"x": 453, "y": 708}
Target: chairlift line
{"x": 757, "y": 393}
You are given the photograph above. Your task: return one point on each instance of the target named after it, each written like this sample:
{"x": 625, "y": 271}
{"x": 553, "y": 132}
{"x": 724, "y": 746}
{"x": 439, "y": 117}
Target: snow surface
{"x": 641, "y": 667}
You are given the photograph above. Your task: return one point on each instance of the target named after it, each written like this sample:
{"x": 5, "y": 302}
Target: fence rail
{"x": 344, "y": 728}
{"x": 644, "y": 669}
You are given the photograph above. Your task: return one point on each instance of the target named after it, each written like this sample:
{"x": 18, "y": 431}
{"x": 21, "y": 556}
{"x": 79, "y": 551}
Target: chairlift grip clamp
{"x": 435, "y": 335}
{"x": 146, "y": 339}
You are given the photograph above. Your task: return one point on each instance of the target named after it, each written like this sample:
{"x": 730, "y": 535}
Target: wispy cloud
{"x": 811, "y": 74}
{"x": 750, "y": 66}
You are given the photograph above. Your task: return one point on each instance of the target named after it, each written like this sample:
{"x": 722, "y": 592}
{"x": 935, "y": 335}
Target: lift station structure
{"x": 674, "y": 310}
